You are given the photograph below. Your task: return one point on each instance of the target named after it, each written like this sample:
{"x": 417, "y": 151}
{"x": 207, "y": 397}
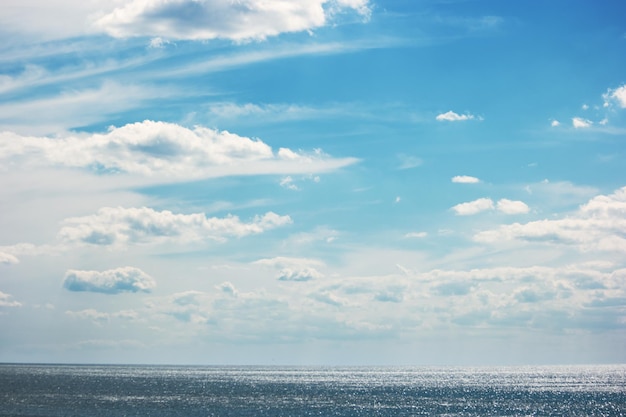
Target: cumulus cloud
{"x": 165, "y": 151}
{"x": 112, "y": 281}
{"x": 7, "y": 258}
{"x": 617, "y": 95}
{"x": 598, "y": 225}
{"x": 451, "y": 116}
{"x": 555, "y": 123}
{"x": 465, "y": 179}
{"x": 119, "y": 226}
{"x": 473, "y": 207}
{"x": 512, "y": 207}
{"x": 293, "y": 269}
{"x": 580, "y": 123}
{"x": 239, "y": 20}
{"x": 484, "y": 204}
{"x": 6, "y": 301}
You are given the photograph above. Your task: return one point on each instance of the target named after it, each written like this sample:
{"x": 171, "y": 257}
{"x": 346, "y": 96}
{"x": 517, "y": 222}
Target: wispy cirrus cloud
{"x": 74, "y": 107}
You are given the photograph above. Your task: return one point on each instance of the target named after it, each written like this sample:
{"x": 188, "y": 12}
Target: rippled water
{"x": 64, "y": 390}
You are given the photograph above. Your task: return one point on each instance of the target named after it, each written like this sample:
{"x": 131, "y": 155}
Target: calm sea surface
{"x": 66, "y": 390}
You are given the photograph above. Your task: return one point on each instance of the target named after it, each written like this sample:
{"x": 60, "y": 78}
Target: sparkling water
{"x": 86, "y": 390}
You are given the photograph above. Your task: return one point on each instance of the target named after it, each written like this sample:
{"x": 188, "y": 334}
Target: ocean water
{"x": 87, "y": 390}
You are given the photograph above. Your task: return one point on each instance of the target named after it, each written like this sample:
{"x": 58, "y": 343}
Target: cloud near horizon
{"x": 598, "y": 225}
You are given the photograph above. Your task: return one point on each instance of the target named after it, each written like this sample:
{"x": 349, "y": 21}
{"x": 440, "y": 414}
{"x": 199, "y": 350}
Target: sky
{"x": 313, "y": 182}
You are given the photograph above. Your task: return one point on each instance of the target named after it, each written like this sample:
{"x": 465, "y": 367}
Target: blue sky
{"x": 312, "y": 182}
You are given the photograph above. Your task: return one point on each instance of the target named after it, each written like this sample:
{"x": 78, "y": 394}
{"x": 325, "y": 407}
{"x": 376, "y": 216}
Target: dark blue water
{"x": 54, "y": 390}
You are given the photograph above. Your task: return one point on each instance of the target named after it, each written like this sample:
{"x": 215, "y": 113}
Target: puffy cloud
{"x": 7, "y": 258}
{"x": 473, "y": 207}
{"x": 119, "y": 226}
{"x": 580, "y": 123}
{"x": 512, "y": 207}
{"x": 112, "y": 281}
{"x": 454, "y": 117}
{"x": 555, "y": 123}
{"x": 228, "y": 288}
{"x": 598, "y": 225}
{"x": 210, "y": 19}
{"x": 618, "y": 95}
{"x": 165, "y": 151}
{"x": 293, "y": 269}
{"x": 465, "y": 179}
{"x": 6, "y": 301}
{"x": 483, "y": 204}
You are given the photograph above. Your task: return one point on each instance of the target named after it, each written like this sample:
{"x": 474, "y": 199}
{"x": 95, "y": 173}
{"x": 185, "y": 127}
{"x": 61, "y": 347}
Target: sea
{"x": 112, "y": 390}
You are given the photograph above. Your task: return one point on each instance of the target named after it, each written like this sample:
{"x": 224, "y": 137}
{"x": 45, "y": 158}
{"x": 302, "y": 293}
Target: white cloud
{"x": 5, "y": 301}
{"x": 74, "y": 107}
{"x": 598, "y": 225}
{"x": 287, "y": 182}
{"x": 118, "y": 226}
{"x": 473, "y": 207}
{"x": 7, "y": 258}
{"x": 618, "y": 95}
{"x": 100, "y": 317}
{"x": 165, "y": 151}
{"x": 418, "y": 235}
{"x": 451, "y": 116}
{"x": 465, "y": 179}
{"x": 555, "y": 123}
{"x": 157, "y": 43}
{"x": 512, "y": 207}
{"x": 228, "y": 288}
{"x": 112, "y": 281}
{"x": 580, "y": 123}
{"x": 210, "y": 19}
{"x": 293, "y": 269}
